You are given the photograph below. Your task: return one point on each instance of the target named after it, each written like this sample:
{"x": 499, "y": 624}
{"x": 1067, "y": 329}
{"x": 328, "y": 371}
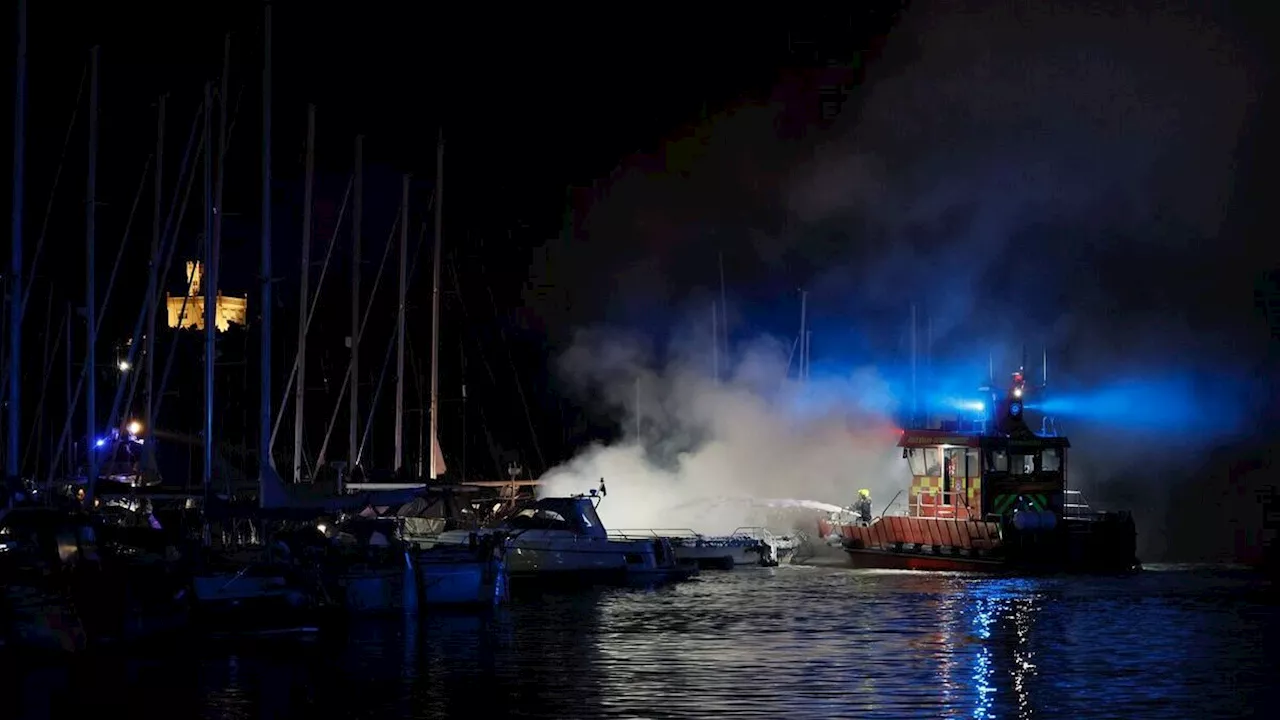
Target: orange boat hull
{"x": 1104, "y": 544}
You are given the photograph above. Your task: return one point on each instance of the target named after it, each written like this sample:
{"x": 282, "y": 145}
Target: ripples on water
{"x": 788, "y": 642}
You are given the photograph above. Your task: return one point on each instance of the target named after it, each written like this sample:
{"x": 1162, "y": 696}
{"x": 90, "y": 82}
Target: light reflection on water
{"x": 786, "y": 642}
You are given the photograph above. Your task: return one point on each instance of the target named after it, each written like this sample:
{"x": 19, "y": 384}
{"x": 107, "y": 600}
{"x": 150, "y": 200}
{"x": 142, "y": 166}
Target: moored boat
{"x": 474, "y": 573}
{"x": 992, "y": 497}
{"x": 562, "y": 540}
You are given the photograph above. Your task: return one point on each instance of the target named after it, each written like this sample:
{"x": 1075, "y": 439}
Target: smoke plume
{"x": 713, "y": 455}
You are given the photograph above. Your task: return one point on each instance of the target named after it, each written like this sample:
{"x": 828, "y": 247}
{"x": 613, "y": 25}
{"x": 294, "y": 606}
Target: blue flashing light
{"x": 100, "y": 442}
{"x": 1015, "y": 409}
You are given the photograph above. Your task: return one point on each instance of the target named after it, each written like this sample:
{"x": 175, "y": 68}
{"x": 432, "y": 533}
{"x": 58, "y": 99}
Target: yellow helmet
{"x": 864, "y": 493}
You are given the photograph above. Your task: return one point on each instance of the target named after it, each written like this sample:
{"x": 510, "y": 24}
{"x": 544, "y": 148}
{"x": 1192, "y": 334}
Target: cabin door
{"x": 960, "y": 473}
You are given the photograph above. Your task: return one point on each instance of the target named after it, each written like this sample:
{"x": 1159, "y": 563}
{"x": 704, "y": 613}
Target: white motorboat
{"x": 562, "y": 539}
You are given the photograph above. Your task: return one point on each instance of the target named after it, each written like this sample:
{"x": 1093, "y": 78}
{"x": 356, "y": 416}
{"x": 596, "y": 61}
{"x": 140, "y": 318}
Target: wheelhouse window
{"x": 537, "y": 519}
{"x": 932, "y": 461}
{"x": 1022, "y": 464}
{"x": 997, "y": 461}
{"x": 915, "y": 459}
{"x": 1051, "y": 460}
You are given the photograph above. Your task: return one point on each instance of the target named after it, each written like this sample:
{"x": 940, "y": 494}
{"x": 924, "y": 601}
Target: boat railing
{"x": 937, "y": 504}
{"x": 756, "y": 532}
{"x": 563, "y": 536}
{"x": 650, "y": 533}
{"x": 1075, "y": 505}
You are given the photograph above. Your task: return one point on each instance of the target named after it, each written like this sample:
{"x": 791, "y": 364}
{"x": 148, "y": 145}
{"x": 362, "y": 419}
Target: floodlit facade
{"x": 188, "y": 312}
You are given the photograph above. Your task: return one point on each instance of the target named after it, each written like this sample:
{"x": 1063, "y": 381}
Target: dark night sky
{"x": 598, "y": 161}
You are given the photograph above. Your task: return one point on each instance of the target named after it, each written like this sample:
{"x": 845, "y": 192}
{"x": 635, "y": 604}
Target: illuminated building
{"x": 188, "y": 312}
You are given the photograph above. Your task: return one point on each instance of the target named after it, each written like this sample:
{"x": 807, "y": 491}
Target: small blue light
{"x": 980, "y": 406}
{"x": 100, "y": 443}
{"x": 1015, "y": 409}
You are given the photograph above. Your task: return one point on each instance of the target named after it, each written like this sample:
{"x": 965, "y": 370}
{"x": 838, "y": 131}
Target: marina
{"x": 289, "y": 431}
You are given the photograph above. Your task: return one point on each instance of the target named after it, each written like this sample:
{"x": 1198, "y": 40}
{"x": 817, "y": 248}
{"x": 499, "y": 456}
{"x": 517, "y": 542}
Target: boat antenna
{"x": 914, "y": 406}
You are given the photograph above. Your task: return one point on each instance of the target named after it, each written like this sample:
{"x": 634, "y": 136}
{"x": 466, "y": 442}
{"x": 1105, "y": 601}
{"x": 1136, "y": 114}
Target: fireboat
{"x": 990, "y": 495}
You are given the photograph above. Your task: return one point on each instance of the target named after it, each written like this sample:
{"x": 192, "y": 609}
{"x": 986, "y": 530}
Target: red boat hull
{"x": 1104, "y": 544}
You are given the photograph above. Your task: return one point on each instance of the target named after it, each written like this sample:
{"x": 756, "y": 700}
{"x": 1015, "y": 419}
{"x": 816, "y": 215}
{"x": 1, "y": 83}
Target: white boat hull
{"x": 560, "y": 556}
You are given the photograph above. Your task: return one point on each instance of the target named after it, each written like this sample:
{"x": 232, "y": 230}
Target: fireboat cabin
{"x": 990, "y": 494}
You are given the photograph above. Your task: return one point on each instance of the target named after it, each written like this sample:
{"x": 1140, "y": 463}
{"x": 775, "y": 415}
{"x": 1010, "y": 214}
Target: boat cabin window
{"x": 1051, "y": 460}
{"x": 925, "y": 461}
{"x": 1022, "y": 464}
{"x": 933, "y": 462}
{"x": 538, "y": 519}
{"x": 915, "y": 460}
{"x": 997, "y": 461}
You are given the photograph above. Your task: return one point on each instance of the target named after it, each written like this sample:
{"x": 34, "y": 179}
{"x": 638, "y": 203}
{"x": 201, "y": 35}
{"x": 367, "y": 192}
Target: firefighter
{"x": 863, "y": 506}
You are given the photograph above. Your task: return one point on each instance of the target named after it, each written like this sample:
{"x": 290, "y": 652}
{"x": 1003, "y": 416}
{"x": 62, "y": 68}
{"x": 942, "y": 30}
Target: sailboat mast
{"x": 66, "y": 389}
{"x": 914, "y": 397}
{"x": 213, "y": 243}
{"x": 15, "y": 252}
{"x": 808, "y": 347}
{"x": 264, "y": 363}
{"x": 435, "y": 308}
{"x": 928, "y": 367}
{"x": 404, "y": 258}
{"x": 304, "y": 302}
{"x": 91, "y": 309}
{"x": 153, "y": 287}
{"x": 207, "y": 285}
{"x": 724, "y": 310}
{"x": 353, "y": 428}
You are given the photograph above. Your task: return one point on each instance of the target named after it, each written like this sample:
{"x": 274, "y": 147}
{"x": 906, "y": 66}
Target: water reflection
{"x": 783, "y": 642}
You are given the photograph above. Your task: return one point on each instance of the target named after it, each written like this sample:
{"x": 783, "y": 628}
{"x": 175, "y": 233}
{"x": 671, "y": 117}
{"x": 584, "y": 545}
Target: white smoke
{"x": 715, "y": 456}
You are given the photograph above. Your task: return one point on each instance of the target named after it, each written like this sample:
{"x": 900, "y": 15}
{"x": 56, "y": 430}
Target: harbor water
{"x": 786, "y": 642}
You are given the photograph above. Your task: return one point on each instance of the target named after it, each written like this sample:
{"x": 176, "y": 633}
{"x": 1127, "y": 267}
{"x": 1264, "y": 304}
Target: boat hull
{"x": 1103, "y": 544}
{"x": 461, "y": 576}
{"x": 474, "y": 583}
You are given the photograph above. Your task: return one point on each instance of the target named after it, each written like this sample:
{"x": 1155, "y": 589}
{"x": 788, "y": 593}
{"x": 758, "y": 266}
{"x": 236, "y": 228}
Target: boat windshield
{"x": 575, "y": 515}
{"x": 535, "y": 518}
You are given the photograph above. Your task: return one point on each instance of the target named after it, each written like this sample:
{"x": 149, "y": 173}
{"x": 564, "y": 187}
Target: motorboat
{"x": 561, "y": 539}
